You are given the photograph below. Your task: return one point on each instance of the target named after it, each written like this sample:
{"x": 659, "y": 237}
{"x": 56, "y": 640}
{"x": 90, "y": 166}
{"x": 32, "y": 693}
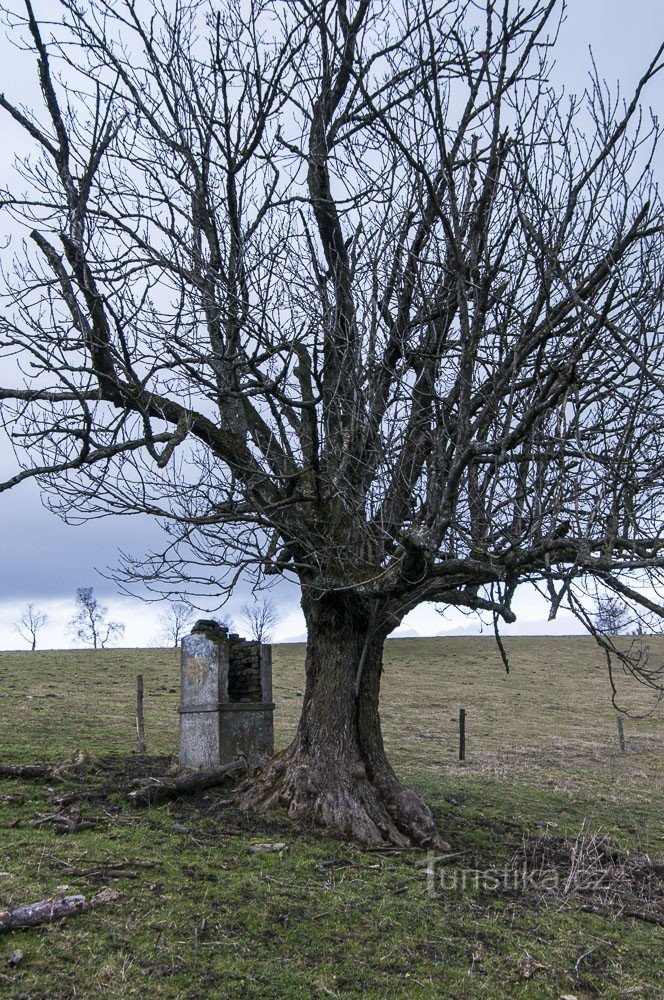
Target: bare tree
{"x": 261, "y": 617}
{"x": 90, "y": 624}
{"x": 174, "y": 620}
{"x": 343, "y": 292}
{"x": 28, "y": 625}
{"x": 611, "y": 616}
{"x": 224, "y": 621}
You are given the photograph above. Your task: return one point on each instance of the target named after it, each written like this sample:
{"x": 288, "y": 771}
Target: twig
{"x": 648, "y": 916}
{"x": 69, "y": 797}
{"x": 65, "y": 824}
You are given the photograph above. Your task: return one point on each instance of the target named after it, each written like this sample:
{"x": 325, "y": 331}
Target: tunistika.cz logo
{"x": 442, "y": 879}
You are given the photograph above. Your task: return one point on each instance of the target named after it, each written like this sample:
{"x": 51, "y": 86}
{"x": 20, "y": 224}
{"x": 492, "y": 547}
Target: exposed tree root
{"x": 340, "y": 795}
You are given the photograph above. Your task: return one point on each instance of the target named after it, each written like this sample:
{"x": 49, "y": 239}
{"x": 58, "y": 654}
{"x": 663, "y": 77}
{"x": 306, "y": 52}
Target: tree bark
{"x": 335, "y": 773}
{"x": 48, "y": 910}
{"x": 39, "y": 771}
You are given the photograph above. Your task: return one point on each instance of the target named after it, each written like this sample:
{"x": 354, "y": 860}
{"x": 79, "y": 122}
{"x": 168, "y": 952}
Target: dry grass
{"x": 550, "y": 721}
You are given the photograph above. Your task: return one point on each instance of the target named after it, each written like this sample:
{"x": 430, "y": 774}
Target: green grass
{"x": 204, "y": 918}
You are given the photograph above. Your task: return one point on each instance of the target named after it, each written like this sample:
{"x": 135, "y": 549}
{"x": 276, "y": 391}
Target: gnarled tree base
{"x": 331, "y": 792}
{"x": 335, "y": 773}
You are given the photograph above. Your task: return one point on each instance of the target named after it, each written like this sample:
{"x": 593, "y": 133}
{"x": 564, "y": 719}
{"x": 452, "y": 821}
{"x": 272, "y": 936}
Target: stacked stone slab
{"x": 226, "y": 703}
{"x": 244, "y": 669}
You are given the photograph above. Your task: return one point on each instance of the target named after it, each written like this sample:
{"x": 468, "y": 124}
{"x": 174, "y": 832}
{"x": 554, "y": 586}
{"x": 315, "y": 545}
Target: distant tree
{"x": 174, "y": 621}
{"x": 260, "y": 617}
{"x": 611, "y": 615}
{"x": 31, "y": 620}
{"x": 90, "y": 624}
{"x": 224, "y": 621}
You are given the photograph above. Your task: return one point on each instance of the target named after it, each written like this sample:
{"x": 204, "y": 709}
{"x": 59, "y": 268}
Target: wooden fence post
{"x": 140, "y": 720}
{"x": 462, "y": 734}
{"x": 621, "y": 732}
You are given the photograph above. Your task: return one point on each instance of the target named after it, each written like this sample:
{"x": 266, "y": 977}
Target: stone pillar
{"x": 266, "y": 672}
{"x": 226, "y": 703}
{"x": 204, "y": 688}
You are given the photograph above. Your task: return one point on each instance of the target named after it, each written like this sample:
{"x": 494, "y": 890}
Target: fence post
{"x": 462, "y": 734}
{"x": 621, "y": 732}
{"x": 140, "y": 720}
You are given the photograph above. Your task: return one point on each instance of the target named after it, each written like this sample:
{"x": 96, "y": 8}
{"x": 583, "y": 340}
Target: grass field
{"x": 544, "y": 789}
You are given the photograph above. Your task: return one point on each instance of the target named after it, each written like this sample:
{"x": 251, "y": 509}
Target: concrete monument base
{"x": 226, "y": 704}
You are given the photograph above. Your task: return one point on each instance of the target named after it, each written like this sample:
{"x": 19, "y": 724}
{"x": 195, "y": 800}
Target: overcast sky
{"x": 44, "y": 561}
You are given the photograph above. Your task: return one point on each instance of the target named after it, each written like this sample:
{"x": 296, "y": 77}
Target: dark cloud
{"x": 42, "y": 557}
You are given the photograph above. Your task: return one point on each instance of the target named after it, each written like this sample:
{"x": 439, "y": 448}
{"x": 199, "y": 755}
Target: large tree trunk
{"x": 335, "y": 772}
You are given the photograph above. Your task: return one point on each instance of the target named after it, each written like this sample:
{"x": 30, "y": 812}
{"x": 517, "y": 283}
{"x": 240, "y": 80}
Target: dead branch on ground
{"x": 48, "y": 910}
{"x": 161, "y": 789}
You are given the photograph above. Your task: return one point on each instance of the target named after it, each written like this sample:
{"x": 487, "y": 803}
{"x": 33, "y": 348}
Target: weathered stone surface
{"x": 204, "y": 669}
{"x": 204, "y": 685}
{"x": 266, "y": 672}
{"x": 209, "y": 627}
{"x": 247, "y": 727}
{"x": 226, "y": 698}
{"x": 244, "y": 678}
{"x": 199, "y": 739}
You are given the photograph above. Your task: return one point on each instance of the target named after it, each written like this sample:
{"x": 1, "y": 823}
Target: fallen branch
{"x": 104, "y": 873}
{"x": 647, "y": 915}
{"x": 604, "y": 911}
{"x": 65, "y": 824}
{"x": 104, "y": 869}
{"x": 44, "y": 772}
{"x": 68, "y": 822}
{"x": 162, "y": 789}
{"x": 76, "y": 796}
{"x": 48, "y": 910}
{"x": 267, "y": 848}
